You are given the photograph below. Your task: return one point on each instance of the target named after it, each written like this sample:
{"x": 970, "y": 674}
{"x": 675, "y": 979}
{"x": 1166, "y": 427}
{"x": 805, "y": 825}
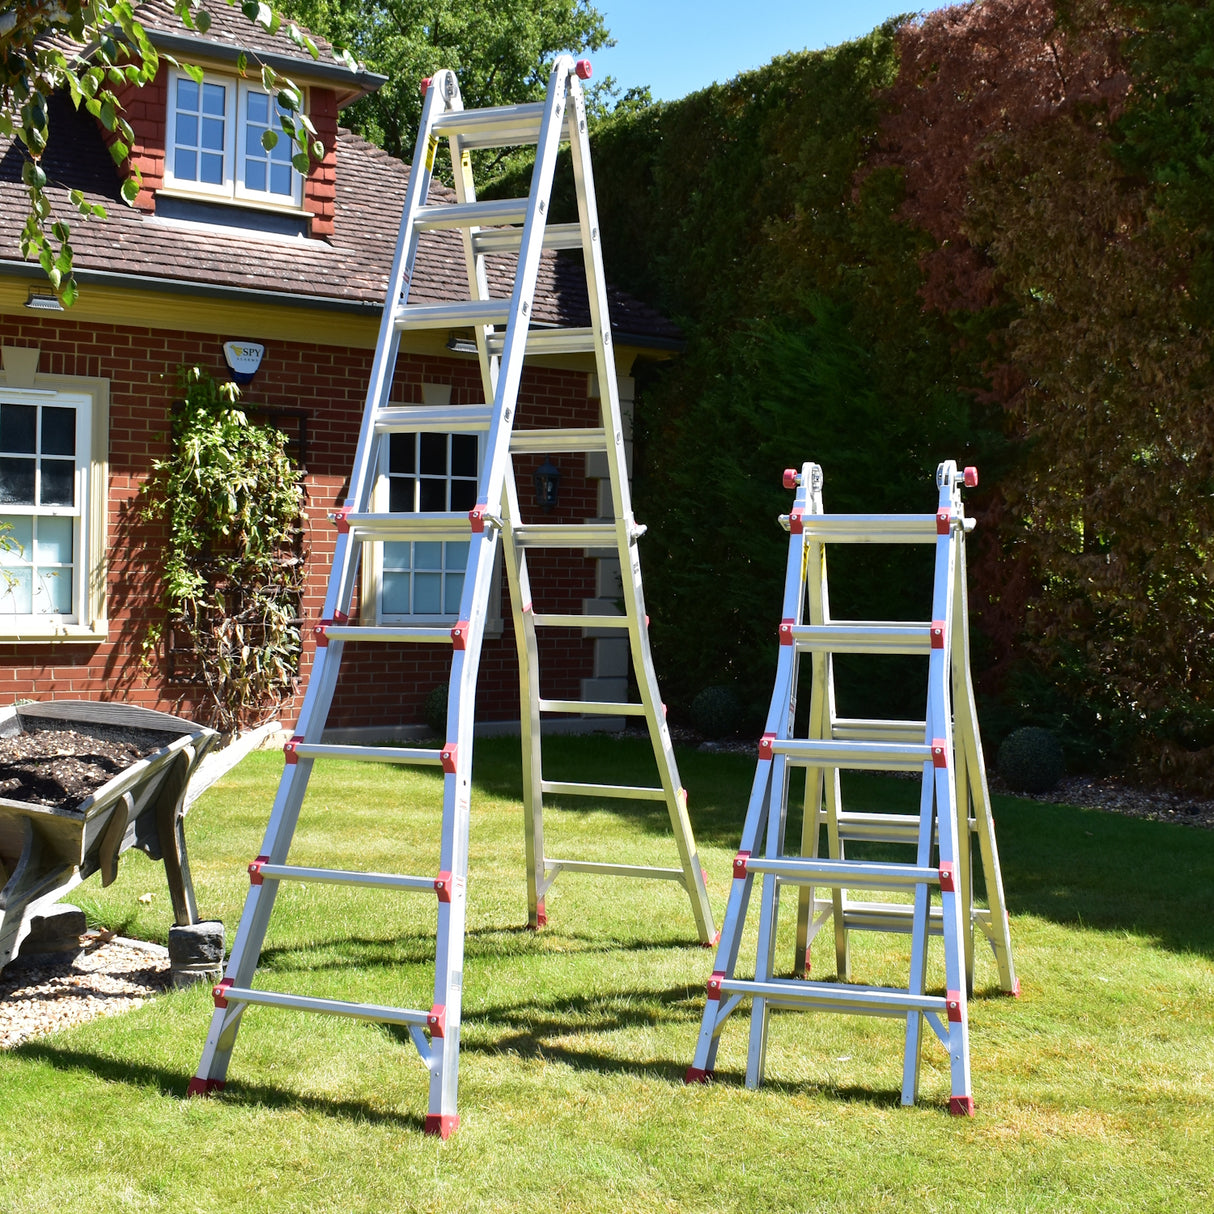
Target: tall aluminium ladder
{"x": 504, "y": 338}
{"x": 954, "y": 804}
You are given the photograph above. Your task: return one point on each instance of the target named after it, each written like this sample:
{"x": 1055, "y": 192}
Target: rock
{"x": 56, "y": 930}
{"x": 196, "y": 953}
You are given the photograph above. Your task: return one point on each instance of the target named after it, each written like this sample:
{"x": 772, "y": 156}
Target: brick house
{"x": 227, "y": 242}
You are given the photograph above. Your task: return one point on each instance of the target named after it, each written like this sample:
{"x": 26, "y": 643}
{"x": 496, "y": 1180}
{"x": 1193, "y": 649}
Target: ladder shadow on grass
{"x": 240, "y": 1092}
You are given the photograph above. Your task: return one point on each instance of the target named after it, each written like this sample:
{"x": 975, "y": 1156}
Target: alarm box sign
{"x": 243, "y": 357}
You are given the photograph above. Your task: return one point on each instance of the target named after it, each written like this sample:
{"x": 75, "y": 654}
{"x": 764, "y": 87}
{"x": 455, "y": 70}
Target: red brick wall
{"x": 378, "y": 686}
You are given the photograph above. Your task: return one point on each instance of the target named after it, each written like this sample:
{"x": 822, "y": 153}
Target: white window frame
{"x": 235, "y": 155}
{"x": 87, "y": 619}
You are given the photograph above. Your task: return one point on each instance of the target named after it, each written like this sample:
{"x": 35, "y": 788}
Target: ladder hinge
{"x": 792, "y": 478}
{"x": 255, "y": 877}
{"x": 765, "y": 744}
{"x": 739, "y": 864}
{"x": 714, "y": 984}
{"x": 320, "y": 631}
{"x": 937, "y": 634}
{"x": 340, "y": 519}
{"x": 436, "y": 1021}
{"x": 786, "y": 627}
{"x": 288, "y": 751}
{"x": 796, "y": 526}
{"x": 442, "y": 886}
{"x": 955, "y": 1006}
{"x": 459, "y": 634}
{"x": 220, "y": 993}
{"x": 970, "y": 477}
{"x": 944, "y": 521}
{"x": 939, "y": 753}
{"x": 947, "y": 882}
{"x": 447, "y": 758}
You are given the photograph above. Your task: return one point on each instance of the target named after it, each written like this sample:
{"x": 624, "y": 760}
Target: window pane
{"x": 255, "y": 175}
{"x": 257, "y": 108}
{"x": 16, "y": 537}
{"x": 433, "y": 494}
{"x": 58, "y": 483}
{"x": 396, "y": 556}
{"x": 212, "y": 134}
{"x": 185, "y": 165}
{"x": 427, "y": 593}
{"x": 187, "y": 129}
{"x": 402, "y": 453}
{"x": 212, "y": 169}
{"x": 396, "y": 594}
{"x": 187, "y": 95}
{"x": 53, "y": 545}
{"x": 427, "y": 556}
{"x": 213, "y": 98}
{"x": 58, "y": 431}
{"x": 453, "y": 589}
{"x": 463, "y": 455}
{"x": 401, "y": 490}
{"x": 53, "y": 593}
{"x": 434, "y": 454}
{"x": 16, "y": 597}
{"x": 463, "y": 495}
{"x": 280, "y": 178}
{"x": 17, "y": 481}
{"x": 18, "y": 427}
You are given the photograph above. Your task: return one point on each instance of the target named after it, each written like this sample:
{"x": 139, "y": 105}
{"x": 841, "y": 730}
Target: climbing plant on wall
{"x": 232, "y": 500}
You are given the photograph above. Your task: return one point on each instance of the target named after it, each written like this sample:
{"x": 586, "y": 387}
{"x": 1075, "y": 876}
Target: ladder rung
{"x": 491, "y": 211}
{"x": 549, "y": 341}
{"x": 412, "y": 419}
{"x": 541, "y": 442}
{"x": 862, "y": 638}
{"x": 854, "y": 756}
{"x": 878, "y": 828}
{"x": 855, "y": 729}
{"x": 340, "y": 876}
{"x": 552, "y": 867}
{"x": 408, "y": 755}
{"x": 599, "y": 708}
{"x": 895, "y": 917}
{"x": 566, "y": 535}
{"x": 843, "y": 874}
{"x": 333, "y": 1007}
{"x": 839, "y": 997}
{"x": 368, "y": 528}
{"x": 627, "y": 792}
{"x": 509, "y": 240}
{"x": 456, "y": 315}
{"x": 391, "y": 633}
{"x": 553, "y": 620}
{"x": 494, "y": 127}
{"x": 869, "y": 528}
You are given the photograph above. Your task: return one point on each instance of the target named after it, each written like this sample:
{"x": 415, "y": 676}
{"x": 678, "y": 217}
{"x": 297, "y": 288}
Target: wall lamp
{"x": 547, "y": 484}
{"x": 43, "y": 301}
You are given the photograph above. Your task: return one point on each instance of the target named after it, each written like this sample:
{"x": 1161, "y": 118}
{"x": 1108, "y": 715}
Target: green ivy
{"x": 232, "y": 499}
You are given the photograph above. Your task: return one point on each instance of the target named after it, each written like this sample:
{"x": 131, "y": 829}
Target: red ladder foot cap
{"x": 961, "y": 1106}
{"x": 697, "y": 1074}
{"x": 442, "y": 1124}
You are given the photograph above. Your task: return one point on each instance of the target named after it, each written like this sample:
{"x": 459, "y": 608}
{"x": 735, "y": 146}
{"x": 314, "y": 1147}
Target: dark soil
{"x": 58, "y": 763}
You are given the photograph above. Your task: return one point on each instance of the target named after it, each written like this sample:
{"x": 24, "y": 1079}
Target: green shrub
{"x": 434, "y": 710}
{"x": 1030, "y": 760}
{"x": 716, "y": 711}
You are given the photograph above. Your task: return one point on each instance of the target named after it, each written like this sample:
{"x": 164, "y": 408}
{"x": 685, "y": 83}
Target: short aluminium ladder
{"x": 504, "y": 337}
{"x": 954, "y": 805}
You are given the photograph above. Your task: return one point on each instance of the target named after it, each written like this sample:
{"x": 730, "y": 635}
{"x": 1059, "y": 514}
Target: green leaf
{"x": 68, "y": 291}
{"x": 301, "y": 162}
{"x": 130, "y": 190}
{"x": 119, "y": 151}
{"x": 108, "y": 115}
{"x": 194, "y": 72}
{"x": 202, "y": 20}
{"x": 269, "y": 140}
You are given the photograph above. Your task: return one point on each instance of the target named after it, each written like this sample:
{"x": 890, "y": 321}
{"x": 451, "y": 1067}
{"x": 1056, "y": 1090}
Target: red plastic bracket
{"x": 714, "y": 984}
{"x": 442, "y": 886}
{"x": 954, "y": 1004}
{"x": 541, "y": 916}
{"x": 796, "y": 525}
{"x": 739, "y": 865}
{"x": 947, "y": 878}
{"x": 583, "y": 69}
{"x": 425, "y": 84}
{"x": 786, "y": 627}
{"x": 938, "y": 628}
{"x": 765, "y": 746}
{"x": 289, "y": 750}
{"x": 321, "y": 629}
{"x": 220, "y": 993}
{"x": 436, "y": 1021}
{"x": 944, "y": 522}
{"x": 447, "y": 758}
{"x": 255, "y": 877}
{"x": 971, "y": 477}
{"x": 792, "y": 478}
{"x": 697, "y": 1074}
{"x": 961, "y": 1106}
{"x": 204, "y": 1087}
{"x": 939, "y": 753}
{"x": 476, "y": 516}
{"x": 341, "y": 519}
{"x": 459, "y": 634}
{"x": 442, "y": 1125}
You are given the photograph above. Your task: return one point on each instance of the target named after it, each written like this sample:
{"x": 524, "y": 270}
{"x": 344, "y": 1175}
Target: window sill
{"x": 42, "y": 633}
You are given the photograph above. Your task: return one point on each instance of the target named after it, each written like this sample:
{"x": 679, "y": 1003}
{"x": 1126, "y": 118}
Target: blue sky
{"x": 679, "y": 46}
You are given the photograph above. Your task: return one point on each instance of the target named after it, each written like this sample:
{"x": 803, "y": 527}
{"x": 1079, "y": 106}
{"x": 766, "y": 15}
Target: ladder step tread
{"x": 868, "y": 528}
{"x": 614, "y": 870}
{"x": 861, "y": 874}
{"x": 493, "y": 126}
{"x": 566, "y": 535}
{"x": 457, "y": 314}
{"x": 491, "y": 211}
{"x": 389, "y": 633}
{"x": 404, "y": 755}
{"x": 548, "y": 341}
{"x": 340, "y": 876}
{"x": 851, "y": 729}
{"x": 875, "y": 756}
{"x": 597, "y": 708}
{"x": 509, "y": 240}
{"x": 554, "y": 620}
{"x": 370, "y": 528}
{"x": 878, "y": 828}
{"x": 862, "y": 638}
{"x": 873, "y": 1000}
{"x": 413, "y": 419}
{"x": 627, "y": 792}
{"x": 333, "y": 1007}
{"x": 560, "y": 440}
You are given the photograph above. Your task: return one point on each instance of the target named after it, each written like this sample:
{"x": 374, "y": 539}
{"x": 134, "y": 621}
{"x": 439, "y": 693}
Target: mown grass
{"x": 1094, "y": 1090}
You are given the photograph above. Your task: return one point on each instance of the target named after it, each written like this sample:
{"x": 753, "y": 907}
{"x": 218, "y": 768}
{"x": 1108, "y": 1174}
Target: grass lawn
{"x": 1094, "y": 1090}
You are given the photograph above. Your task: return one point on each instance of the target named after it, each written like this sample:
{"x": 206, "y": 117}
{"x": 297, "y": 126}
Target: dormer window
{"x": 215, "y": 149}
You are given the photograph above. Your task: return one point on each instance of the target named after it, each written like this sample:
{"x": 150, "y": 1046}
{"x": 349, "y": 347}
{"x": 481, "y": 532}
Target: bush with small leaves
{"x": 434, "y": 710}
{"x": 1030, "y": 760}
{"x": 716, "y": 712}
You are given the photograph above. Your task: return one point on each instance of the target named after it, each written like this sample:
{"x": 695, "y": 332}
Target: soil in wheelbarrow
{"x": 62, "y": 763}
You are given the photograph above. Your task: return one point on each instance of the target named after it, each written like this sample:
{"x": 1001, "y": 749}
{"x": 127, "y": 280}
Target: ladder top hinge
{"x": 436, "y": 1021}
{"x": 786, "y": 627}
{"x": 939, "y": 752}
{"x": 289, "y": 750}
{"x": 447, "y": 758}
{"x": 255, "y": 877}
{"x": 944, "y": 521}
{"x": 765, "y": 746}
{"x": 937, "y": 632}
{"x": 739, "y": 864}
{"x": 459, "y": 634}
{"x": 955, "y": 1005}
{"x": 220, "y": 993}
{"x": 948, "y": 883}
{"x": 714, "y": 984}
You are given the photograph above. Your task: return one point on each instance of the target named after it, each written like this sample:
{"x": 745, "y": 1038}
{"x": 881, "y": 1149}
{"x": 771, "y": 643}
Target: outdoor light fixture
{"x": 547, "y": 484}
{"x": 43, "y": 301}
{"x": 458, "y": 344}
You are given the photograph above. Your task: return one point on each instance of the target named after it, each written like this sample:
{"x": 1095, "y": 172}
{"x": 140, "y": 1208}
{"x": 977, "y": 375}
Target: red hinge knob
{"x": 583, "y": 69}
{"x": 971, "y": 477}
{"x": 425, "y": 84}
{"x": 791, "y": 478}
